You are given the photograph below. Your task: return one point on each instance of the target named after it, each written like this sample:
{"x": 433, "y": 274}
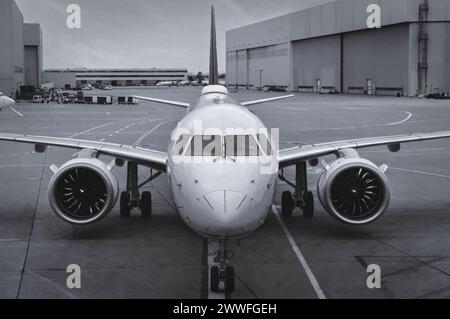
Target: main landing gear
{"x": 301, "y": 197}
{"x": 131, "y": 198}
{"x": 223, "y": 273}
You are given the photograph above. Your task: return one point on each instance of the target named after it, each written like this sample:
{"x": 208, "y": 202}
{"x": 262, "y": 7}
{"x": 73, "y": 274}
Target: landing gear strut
{"x": 223, "y": 272}
{"x": 302, "y": 197}
{"x": 132, "y": 198}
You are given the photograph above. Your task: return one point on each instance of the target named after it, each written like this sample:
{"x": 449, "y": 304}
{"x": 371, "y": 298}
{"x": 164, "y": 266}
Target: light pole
{"x": 260, "y": 79}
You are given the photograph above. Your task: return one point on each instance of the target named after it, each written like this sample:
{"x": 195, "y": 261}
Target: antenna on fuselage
{"x": 213, "y": 62}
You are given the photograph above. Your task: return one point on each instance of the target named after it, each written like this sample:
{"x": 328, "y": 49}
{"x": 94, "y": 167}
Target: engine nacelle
{"x": 354, "y": 190}
{"x": 83, "y": 191}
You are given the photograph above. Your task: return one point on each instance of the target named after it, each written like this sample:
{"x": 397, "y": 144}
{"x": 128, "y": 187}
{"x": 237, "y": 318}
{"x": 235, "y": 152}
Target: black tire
{"x": 215, "y": 279}
{"x": 287, "y": 204}
{"x": 308, "y": 210}
{"x": 146, "y": 205}
{"x": 229, "y": 279}
{"x": 125, "y": 210}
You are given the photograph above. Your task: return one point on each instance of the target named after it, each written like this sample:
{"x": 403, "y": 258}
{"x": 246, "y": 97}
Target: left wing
{"x": 248, "y": 103}
{"x": 174, "y": 103}
{"x": 304, "y": 153}
{"x": 154, "y": 159}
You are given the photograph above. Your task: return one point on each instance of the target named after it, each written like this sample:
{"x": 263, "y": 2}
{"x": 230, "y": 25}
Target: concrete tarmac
{"x": 162, "y": 258}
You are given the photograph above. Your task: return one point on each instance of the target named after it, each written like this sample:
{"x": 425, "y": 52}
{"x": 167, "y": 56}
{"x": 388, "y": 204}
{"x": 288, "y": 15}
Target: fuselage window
{"x": 241, "y": 145}
{"x": 205, "y": 145}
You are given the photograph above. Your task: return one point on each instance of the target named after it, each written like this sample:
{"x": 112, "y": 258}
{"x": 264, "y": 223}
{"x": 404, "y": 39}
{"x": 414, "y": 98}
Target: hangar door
{"x": 32, "y": 66}
{"x": 317, "y": 63}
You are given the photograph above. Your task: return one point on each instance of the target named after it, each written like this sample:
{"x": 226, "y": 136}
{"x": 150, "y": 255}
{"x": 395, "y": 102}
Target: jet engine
{"x": 354, "y": 190}
{"x": 83, "y": 191}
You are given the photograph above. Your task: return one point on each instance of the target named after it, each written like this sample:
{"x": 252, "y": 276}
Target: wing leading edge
{"x": 293, "y": 156}
{"x": 154, "y": 159}
{"x": 174, "y": 103}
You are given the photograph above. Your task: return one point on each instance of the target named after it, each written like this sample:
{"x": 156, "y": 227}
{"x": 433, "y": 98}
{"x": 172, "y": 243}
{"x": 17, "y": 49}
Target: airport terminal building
{"x": 20, "y": 51}
{"x": 330, "y": 47}
{"x": 71, "y": 78}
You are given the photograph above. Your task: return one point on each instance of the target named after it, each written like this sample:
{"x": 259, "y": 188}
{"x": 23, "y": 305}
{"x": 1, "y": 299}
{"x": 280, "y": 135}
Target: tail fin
{"x": 213, "y": 62}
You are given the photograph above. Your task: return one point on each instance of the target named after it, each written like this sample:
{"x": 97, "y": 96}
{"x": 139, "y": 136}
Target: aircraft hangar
{"x": 329, "y": 48}
{"x": 21, "y": 55}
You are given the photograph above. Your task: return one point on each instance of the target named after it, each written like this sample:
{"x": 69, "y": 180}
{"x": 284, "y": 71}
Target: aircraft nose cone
{"x": 225, "y": 203}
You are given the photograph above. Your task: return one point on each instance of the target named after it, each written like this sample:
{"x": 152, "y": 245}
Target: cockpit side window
{"x": 264, "y": 142}
{"x": 241, "y": 145}
{"x": 205, "y": 145}
{"x": 181, "y": 145}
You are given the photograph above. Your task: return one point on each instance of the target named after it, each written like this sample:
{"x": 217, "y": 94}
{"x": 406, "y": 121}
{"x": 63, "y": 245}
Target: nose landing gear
{"x": 223, "y": 273}
{"x": 131, "y": 198}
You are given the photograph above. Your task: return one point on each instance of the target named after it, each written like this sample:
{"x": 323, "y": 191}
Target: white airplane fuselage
{"x": 5, "y": 101}
{"x": 220, "y": 197}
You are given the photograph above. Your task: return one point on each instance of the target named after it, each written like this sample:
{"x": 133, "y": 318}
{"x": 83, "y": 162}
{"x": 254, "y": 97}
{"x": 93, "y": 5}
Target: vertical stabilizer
{"x": 213, "y": 63}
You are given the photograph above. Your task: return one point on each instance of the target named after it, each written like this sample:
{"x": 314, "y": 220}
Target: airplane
{"x": 221, "y": 192}
{"x": 5, "y": 101}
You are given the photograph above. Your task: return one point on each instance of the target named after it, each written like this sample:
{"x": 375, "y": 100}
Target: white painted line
{"x": 15, "y": 111}
{"x": 140, "y": 139}
{"x": 409, "y": 115}
{"x": 212, "y": 248}
{"x": 91, "y": 129}
{"x": 22, "y": 165}
{"x": 299, "y": 255}
{"x": 419, "y": 172}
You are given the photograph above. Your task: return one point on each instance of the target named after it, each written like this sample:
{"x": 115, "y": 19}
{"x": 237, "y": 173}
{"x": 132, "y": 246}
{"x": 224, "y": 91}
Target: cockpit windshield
{"x": 205, "y": 145}
{"x": 241, "y": 145}
{"x": 216, "y": 145}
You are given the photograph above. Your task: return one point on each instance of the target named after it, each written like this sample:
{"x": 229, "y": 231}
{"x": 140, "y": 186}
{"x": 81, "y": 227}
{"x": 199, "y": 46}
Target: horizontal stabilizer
{"x": 174, "y": 103}
{"x": 267, "y": 100}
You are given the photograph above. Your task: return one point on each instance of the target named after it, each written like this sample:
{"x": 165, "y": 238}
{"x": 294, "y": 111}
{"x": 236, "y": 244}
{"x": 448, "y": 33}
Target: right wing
{"x": 174, "y": 103}
{"x": 146, "y": 157}
{"x": 299, "y": 154}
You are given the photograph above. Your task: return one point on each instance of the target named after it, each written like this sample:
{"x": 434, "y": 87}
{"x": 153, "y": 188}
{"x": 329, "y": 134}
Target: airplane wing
{"x": 293, "y": 156}
{"x": 174, "y": 103}
{"x": 248, "y": 103}
{"x": 142, "y": 156}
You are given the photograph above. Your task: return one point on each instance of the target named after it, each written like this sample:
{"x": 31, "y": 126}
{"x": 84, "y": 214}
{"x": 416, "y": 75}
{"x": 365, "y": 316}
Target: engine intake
{"x": 83, "y": 191}
{"x": 354, "y": 191}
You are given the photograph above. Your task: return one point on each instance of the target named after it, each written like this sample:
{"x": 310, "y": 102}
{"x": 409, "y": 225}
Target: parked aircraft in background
{"x": 5, "y": 101}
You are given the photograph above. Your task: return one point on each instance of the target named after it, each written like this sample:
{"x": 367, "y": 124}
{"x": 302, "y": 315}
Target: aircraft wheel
{"x": 287, "y": 204}
{"x": 215, "y": 279}
{"x": 125, "y": 210}
{"x": 146, "y": 205}
{"x": 229, "y": 279}
{"x": 308, "y": 210}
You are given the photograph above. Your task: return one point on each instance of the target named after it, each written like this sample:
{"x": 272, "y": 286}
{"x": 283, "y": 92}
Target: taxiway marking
{"x": 419, "y": 172}
{"x": 299, "y": 255}
{"x": 400, "y": 122}
{"x": 15, "y": 111}
{"x": 140, "y": 139}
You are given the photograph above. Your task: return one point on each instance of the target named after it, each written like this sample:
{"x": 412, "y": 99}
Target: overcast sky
{"x": 144, "y": 33}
